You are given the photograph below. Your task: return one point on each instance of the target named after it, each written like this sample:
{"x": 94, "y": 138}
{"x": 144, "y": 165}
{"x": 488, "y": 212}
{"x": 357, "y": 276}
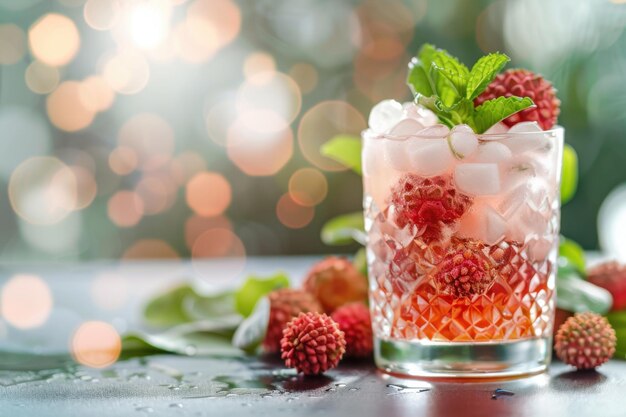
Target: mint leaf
{"x": 483, "y": 72}
{"x": 447, "y": 92}
{"x": 492, "y": 111}
{"x": 419, "y": 67}
{"x": 345, "y": 149}
{"x": 569, "y": 174}
{"x": 463, "y": 112}
{"x": 452, "y": 69}
{"x": 418, "y": 80}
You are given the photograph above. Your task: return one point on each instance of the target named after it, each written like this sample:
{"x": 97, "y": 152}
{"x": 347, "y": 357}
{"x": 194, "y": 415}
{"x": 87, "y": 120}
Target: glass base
{"x": 463, "y": 360}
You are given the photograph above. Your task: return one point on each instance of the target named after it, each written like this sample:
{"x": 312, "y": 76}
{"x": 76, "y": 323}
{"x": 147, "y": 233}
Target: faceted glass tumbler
{"x": 462, "y": 247}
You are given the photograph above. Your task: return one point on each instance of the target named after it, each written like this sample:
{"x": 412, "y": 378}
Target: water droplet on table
{"x": 176, "y": 405}
{"x": 145, "y": 409}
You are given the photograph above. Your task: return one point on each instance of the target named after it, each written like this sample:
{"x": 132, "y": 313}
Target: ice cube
{"x": 395, "y": 154}
{"x": 526, "y": 136}
{"x": 385, "y": 115}
{"x": 419, "y": 113}
{"x": 406, "y": 127}
{"x": 497, "y": 129}
{"x": 429, "y": 157}
{"x": 463, "y": 141}
{"x": 483, "y": 223}
{"x": 477, "y": 179}
{"x": 492, "y": 152}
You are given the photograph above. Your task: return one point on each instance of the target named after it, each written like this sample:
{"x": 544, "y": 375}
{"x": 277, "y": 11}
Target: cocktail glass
{"x": 462, "y": 246}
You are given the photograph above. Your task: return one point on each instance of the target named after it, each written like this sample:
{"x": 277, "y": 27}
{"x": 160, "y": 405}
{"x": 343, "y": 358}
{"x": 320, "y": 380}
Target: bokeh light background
{"x": 175, "y": 129}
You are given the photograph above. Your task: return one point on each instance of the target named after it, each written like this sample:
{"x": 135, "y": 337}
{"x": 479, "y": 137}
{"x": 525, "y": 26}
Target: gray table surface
{"x": 199, "y": 386}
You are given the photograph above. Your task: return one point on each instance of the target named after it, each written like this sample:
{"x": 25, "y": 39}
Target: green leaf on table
{"x": 618, "y": 322}
{"x": 203, "y": 338}
{"x": 344, "y": 229}
{"x": 182, "y": 304}
{"x": 200, "y": 307}
{"x": 575, "y": 294}
{"x": 484, "y": 72}
{"x": 254, "y": 288}
{"x": 252, "y": 330}
{"x": 569, "y": 176}
{"x": 573, "y": 253}
{"x": 492, "y": 111}
{"x": 167, "y": 309}
{"x": 345, "y": 149}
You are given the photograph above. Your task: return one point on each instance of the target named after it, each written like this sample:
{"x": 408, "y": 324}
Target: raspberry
{"x": 524, "y": 83}
{"x": 334, "y": 282}
{"x": 612, "y": 277}
{"x": 355, "y": 322}
{"x": 465, "y": 271}
{"x": 428, "y": 203}
{"x": 585, "y": 341}
{"x": 285, "y": 304}
{"x": 312, "y": 343}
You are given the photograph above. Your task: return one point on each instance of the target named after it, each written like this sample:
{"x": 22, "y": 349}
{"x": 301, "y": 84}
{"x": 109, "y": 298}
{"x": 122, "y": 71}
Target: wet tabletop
{"x": 196, "y": 386}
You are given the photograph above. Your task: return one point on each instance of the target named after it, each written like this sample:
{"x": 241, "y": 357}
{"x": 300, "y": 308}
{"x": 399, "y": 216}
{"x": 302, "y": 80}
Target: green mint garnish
{"x": 447, "y": 87}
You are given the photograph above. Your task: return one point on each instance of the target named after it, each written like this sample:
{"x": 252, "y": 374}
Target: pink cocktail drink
{"x": 462, "y": 243}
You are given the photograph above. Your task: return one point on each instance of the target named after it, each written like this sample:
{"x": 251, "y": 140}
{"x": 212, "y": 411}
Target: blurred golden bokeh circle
{"x": 41, "y": 78}
{"x": 26, "y": 301}
{"x": 102, "y": 14}
{"x": 125, "y": 208}
{"x": 259, "y": 142}
{"x": 54, "y": 39}
{"x": 96, "y": 94}
{"x": 273, "y": 91}
{"x": 292, "y": 214}
{"x": 66, "y": 109}
{"x": 12, "y": 44}
{"x": 259, "y": 63}
{"x": 123, "y": 160}
{"x": 43, "y": 190}
{"x": 321, "y": 123}
{"x": 96, "y": 344}
{"x": 208, "y": 194}
{"x": 308, "y": 186}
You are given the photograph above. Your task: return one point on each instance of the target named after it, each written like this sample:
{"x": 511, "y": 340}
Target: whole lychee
{"x": 334, "y": 282}
{"x": 612, "y": 277}
{"x": 524, "y": 83}
{"x": 428, "y": 203}
{"x": 465, "y": 271}
{"x": 585, "y": 341}
{"x": 312, "y": 343}
{"x": 355, "y": 322}
{"x": 285, "y": 304}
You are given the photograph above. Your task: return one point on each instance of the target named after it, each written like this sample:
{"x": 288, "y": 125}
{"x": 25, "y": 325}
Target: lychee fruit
{"x": 585, "y": 340}
{"x": 312, "y": 343}
{"x": 334, "y": 282}
{"x": 612, "y": 277}
{"x": 428, "y": 203}
{"x": 465, "y": 271}
{"x": 524, "y": 83}
{"x": 285, "y": 304}
{"x": 355, "y": 322}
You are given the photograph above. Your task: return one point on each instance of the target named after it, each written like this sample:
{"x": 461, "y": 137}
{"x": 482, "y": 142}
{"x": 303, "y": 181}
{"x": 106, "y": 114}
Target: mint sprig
{"x": 447, "y": 87}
